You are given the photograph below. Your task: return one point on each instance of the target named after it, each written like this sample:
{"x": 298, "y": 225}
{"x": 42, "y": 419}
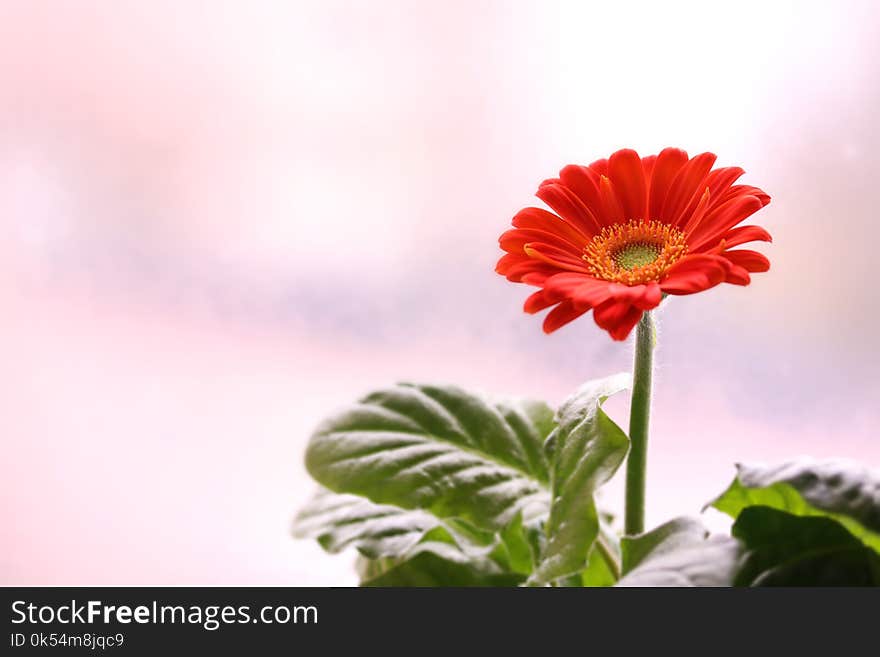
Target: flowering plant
{"x": 437, "y": 486}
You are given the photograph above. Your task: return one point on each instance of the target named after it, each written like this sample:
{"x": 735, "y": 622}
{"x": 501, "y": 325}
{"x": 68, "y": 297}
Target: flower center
{"x": 635, "y": 252}
{"x": 636, "y": 255}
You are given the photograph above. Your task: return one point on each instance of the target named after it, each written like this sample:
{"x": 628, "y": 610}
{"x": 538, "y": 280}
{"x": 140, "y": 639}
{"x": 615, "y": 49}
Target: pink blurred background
{"x": 222, "y": 220}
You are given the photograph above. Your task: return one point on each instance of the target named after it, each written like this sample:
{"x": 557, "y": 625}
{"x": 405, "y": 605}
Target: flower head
{"x": 628, "y": 230}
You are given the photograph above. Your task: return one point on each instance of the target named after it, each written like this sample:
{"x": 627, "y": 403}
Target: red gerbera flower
{"x": 629, "y": 230}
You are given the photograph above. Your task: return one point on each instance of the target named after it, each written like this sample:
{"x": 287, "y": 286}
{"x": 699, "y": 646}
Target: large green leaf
{"x": 414, "y": 462}
{"x": 791, "y": 550}
{"x": 679, "y": 553}
{"x": 842, "y": 490}
{"x": 406, "y": 547}
{"x": 587, "y": 447}
{"x": 441, "y": 450}
{"x": 341, "y": 521}
{"x": 436, "y": 562}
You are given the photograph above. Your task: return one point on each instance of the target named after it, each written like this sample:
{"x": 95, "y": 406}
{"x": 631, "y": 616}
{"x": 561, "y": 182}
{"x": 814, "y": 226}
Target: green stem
{"x": 639, "y": 417}
{"x": 606, "y": 553}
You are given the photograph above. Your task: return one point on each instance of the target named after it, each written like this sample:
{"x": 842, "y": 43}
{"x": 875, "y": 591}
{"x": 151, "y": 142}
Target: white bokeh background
{"x": 222, "y": 220}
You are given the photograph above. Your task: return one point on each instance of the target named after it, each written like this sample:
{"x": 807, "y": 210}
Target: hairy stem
{"x": 639, "y": 417}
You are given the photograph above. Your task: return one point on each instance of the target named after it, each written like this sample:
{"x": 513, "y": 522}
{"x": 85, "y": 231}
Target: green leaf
{"x": 587, "y": 449}
{"x": 679, "y": 553}
{"x": 342, "y": 521}
{"x": 441, "y": 450}
{"x": 792, "y": 550}
{"x": 437, "y": 560}
{"x": 598, "y": 571}
{"x": 431, "y": 570}
{"x": 425, "y": 461}
{"x": 403, "y": 547}
{"x": 520, "y": 545}
{"x": 841, "y": 490}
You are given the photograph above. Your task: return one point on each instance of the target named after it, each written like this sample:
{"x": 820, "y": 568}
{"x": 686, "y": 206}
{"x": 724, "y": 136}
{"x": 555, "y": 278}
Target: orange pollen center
{"x": 635, "y": 252}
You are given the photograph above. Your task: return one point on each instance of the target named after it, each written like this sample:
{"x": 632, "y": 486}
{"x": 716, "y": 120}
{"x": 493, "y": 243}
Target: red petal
{"x": 584, "y": 182}
{"x": 600, "y": 166}
{"x": 509, "y": 260}
{"x": 560, "y": 316}
{"x": 743, "y": 234}
{"x": 628, "y": 181}
{"x": 590, "y": 294}
{"x": 617, "y": 317}
{"x": 720, "y": 220}
{"x": 719, "y": 181}
{"x": 749, "y": 260}
{"x": 648, "y": 163}
{"x": 568, "y": 206}
{"x": 699, "y": 212}
{"x": 643, "y": 297}
{"x": 537, "y": 278}
{"x": 516, "y": 266}
{"x": 669, "y": 162}
{"x": 537, "y": 302}
{"x": 539, "y": 219}
{"x": 580, "y": 287}
{"x": 515, "y": 239}
{"x": 553, "y": 256}
{"x": 737, "y": 275}
{"x": 695, "y": 273}
{"x": 686, "y": 189}
{"x": 612, "y": 211}
{"x": 746, "y": 190}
